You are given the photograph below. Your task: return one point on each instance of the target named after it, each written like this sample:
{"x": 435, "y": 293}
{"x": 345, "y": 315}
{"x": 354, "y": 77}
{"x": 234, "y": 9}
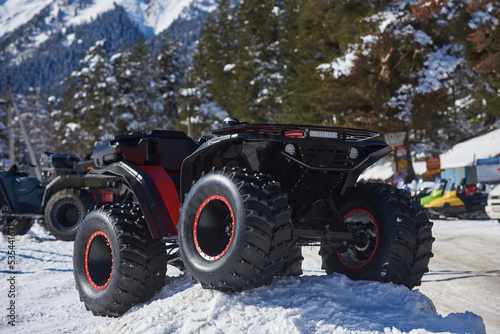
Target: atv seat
{"x": 175, "y": 146}
{"x": 159, "y": 147}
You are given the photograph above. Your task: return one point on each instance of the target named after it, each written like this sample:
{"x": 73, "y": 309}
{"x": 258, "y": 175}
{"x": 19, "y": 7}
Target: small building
{"x": 457, "y": 174}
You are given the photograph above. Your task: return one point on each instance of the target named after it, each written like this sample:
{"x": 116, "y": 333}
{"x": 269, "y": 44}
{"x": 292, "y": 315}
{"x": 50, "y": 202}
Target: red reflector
{"x": 103, "y": 196}
{"x": 106, "y": 196}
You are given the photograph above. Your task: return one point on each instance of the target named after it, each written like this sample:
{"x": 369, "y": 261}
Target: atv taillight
{"x": 103, "y": 196}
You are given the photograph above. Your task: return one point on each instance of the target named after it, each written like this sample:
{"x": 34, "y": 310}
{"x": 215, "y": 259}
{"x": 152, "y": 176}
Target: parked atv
{"x": 68, "y": 196}
{"x": 59, "y": 202}
{"x": 20, "y": 201}
{"x": 459, "y": 202}
{"x": 239, "y": 206}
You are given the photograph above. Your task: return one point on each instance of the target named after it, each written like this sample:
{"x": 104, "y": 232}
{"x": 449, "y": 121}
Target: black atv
{"x": 58, "y": 203}
{"x": 239, "y": 206}
{"x": 20, "y": 201}
{"x": 68, "y": 195}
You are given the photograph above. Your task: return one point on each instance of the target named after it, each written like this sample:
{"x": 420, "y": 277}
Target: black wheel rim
{"x": 99, "y": 260}
{"x": 213, "y": 230}
{"x": 67, "y": 215}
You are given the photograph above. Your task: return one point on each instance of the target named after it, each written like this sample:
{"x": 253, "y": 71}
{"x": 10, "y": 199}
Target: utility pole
{"x": 6, "y": 103}
{"x": 189, "y": 93}
{"x": 190, "y": 131}
{"x": 12, "y": 105}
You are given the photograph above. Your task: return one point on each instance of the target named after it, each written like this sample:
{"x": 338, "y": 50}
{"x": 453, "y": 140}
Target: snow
{"x": 229, "y": 67}
{"x": 479, "y": 18}
{"x": 461, "y": 155}
{"x": 384, "y": 19}
{"x": 341, "y": 66}
{"x": 14, "y": 13}
{"x": 465, "y": 153}
{"x": 47, "y": 300}
{"x": 382, "y": 170}
{"x": 438, "y": 69}
{"x": 422, "y": 38}
{"x": 152, "y": 17}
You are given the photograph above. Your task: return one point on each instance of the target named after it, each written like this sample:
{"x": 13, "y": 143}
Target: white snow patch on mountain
{"x": 14, "y": 13}
{"x": 152, "y": 17}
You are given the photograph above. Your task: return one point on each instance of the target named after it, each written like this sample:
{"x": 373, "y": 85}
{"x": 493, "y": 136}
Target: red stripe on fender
{"x": 167, "y": 190}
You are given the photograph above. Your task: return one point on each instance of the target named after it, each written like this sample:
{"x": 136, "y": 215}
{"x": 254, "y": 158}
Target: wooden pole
{"x": 10, "y": 126}
{"x": 190, "y": 130}
{"x": 13, "y": 105}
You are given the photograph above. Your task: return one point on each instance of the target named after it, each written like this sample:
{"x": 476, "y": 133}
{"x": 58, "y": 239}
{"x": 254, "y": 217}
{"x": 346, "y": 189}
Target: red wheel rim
{"x": 358, "y": 256}
{"x": 213, "y": 230}
{"x": 99, "y": 260}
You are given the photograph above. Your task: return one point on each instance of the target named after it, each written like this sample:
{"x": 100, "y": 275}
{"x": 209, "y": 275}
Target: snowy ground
{"x": 461, "y": 294}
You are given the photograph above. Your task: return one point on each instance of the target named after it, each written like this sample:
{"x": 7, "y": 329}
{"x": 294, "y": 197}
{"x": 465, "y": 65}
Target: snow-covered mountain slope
{"x": 151, "y": 16}
{"x": 14, "y": 13}
{"x": 41, "y": 41}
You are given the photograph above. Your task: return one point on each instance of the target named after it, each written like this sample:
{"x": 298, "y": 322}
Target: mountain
{"x": 41, "y": 42}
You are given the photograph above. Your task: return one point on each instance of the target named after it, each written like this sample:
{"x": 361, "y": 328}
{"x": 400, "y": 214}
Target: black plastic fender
{"x": 153, "y": 189}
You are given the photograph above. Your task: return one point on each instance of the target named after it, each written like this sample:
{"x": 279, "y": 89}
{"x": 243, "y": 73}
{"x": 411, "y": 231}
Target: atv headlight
{"x": 290, "y": 149}
{"x": 353, "y": 153}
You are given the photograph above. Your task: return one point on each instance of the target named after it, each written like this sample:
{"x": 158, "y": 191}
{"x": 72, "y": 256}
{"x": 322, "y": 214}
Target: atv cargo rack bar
{"x": 300, "y": 131}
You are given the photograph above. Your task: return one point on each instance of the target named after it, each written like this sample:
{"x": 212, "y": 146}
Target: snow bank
{"x": 47, "y": 301}
{"x": 380, "y": 171}
{"x": 309, "y": 304}
{"x": 465, "y": 153}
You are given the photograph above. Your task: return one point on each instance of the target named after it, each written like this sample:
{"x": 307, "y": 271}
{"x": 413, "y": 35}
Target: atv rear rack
{"x": 301, "y": 131}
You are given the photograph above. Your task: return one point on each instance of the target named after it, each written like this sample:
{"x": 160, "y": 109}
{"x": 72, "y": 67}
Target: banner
{"x": 433, "y": 166}
{"x": 395, "y": 139}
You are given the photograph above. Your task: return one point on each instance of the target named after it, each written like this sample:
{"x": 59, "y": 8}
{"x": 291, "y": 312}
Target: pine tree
{"x": 216, "y": 57}
{"x": 82, "y": 115}
{"x": 259, "y": 67}
{"x": 484, "y": 56}
{"x": 326, "y": 30}
{"x": 144, "y": 89}
{"x": 170, "y": 79}
{"x": 290, "y": 58}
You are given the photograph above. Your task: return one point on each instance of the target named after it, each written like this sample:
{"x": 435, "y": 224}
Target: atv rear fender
{"x": 70, "y": 181}
{"x": 149, "y": 165}
{"x": 154, "y": 190}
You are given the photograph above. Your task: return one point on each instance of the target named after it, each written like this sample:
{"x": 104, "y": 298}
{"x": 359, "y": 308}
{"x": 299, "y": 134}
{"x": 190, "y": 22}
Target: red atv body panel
{"x": 169, "y": 196}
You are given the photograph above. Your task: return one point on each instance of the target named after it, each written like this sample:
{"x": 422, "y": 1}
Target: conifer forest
{"x": 429, "y": 67}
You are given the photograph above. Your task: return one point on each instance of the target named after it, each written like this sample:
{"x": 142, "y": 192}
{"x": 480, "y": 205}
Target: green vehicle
{"x": 437, "y": 192}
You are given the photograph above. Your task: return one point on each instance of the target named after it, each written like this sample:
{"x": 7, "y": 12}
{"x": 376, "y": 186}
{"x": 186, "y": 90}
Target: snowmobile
{"x": 459, "y": 202}
{"x": 437, "y": 192}
{"x": 234, "y": 210}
